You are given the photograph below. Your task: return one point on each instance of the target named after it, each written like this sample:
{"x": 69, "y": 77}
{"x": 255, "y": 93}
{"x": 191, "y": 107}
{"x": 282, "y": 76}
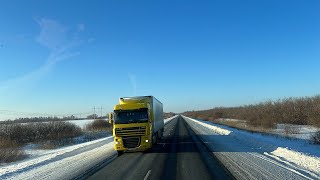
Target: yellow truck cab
{"x": 137, "y": 123}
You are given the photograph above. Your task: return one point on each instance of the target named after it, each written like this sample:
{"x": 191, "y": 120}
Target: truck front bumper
{"x": 145, "y": 144}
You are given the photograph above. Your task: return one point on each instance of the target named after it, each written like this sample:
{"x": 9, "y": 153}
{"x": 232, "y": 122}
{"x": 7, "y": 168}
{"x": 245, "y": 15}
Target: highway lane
{"x": 179, "y": 155}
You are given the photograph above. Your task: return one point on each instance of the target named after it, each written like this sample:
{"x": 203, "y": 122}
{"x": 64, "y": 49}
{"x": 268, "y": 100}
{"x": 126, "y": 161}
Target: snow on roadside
{"x": 216, "y": 129}
{"x": 166, "y": 121}
{"x": 311, "y": 163}
{"x": 298, "y": 154}
{"x": 26, "y": 164}
{"x": 70, "y": 167}
{"x": 50, "y": 164}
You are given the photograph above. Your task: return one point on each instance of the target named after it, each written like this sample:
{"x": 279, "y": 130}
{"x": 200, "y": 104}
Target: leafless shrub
{"x": 35, "y": 132}
{"x": 60, "y": 130}
{"x": 235, "y": 124}
{"x": 300, "y": 111}
{"x": 99, "y": 125}
{"x": 50, "y": 135}
{"x": 10, "y": 151}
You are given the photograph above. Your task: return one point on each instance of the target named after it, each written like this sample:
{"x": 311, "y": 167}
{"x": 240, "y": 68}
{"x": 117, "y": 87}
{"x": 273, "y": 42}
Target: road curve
{"x": 179, "y": 155}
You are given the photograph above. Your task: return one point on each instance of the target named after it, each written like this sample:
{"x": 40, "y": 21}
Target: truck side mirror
{"x": 111, "y": 118}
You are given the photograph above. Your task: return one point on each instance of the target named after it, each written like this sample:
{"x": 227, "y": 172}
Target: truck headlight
{"x": 147, "y": 140}
{"x": 117, "y": 143}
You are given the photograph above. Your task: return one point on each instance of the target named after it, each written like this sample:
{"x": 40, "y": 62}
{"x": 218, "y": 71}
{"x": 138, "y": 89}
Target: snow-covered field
{"x": 62, "y": 163}
{"x": 258, "y": 156}
{"x": 81, "y": 123}
{"x": 304, "y": 132}
{"x": 295, "y": 131}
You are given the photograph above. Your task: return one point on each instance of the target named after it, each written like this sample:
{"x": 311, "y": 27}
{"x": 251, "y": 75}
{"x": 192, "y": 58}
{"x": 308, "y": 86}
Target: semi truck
{"x": 137, "y": 123}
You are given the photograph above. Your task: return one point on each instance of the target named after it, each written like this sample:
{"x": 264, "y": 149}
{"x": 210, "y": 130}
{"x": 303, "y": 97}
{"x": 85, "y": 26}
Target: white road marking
{"x": 147, "y": 175}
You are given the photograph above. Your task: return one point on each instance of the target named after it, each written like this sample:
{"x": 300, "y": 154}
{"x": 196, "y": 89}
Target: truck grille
{"x": 131, "y": 142}
{"x": 131, "y": 131}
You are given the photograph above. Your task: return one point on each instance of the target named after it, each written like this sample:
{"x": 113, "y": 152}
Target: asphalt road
{"x": 179, "y": 155}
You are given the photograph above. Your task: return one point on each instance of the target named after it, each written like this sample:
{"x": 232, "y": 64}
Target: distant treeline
{"x": 49, "y": 119}
{"x": 300, "y": 111}
{"x": 66, "y": 118}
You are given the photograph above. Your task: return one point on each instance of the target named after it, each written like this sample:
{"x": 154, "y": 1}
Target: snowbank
{"x": 269, "y": 153}
{"x": 43, "y": 159}
{"x": 215, "y": 129}
{"x": 166, "y": 121}
{"x": 311, "y": 163}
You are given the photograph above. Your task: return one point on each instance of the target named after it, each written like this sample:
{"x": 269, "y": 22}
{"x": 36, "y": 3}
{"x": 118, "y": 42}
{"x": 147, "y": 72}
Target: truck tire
{"x": 120, "y": 153}
{"x": 161, "y": 134}
{"x": 155, "y": 139}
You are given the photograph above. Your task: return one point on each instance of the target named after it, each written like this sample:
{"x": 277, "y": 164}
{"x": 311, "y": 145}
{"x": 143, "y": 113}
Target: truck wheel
{"x": 154, "y": 139}
{"x": 120, "y": 153}
{"x": 161, "y": 134}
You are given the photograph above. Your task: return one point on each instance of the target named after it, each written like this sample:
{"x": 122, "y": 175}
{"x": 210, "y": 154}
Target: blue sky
{"x": 61, "y": 57}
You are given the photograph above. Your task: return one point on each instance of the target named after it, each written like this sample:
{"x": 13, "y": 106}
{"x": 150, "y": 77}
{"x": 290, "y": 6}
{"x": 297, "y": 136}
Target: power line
{"x": 97, "y": 108}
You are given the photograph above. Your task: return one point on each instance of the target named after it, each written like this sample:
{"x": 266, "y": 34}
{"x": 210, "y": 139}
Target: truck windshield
{"x": 134, "y": 116}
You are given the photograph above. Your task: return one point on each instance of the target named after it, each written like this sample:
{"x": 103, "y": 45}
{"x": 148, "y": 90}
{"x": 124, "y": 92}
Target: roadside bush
{"x": 52, "y": 134}
{"x": 299, "y": 111}
{"x": 316, "y": 138}
{"x": 10, "y": 151}
{"x": 35, "y": 132}
{"x": 60, "y": 130}
{"x": 99, "y": 125}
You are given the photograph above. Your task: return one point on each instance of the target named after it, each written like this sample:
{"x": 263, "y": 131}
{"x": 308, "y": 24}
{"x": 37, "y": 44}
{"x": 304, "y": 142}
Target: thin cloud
{"x": 56, "y": 38}
{"x": 52, "y": 35}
